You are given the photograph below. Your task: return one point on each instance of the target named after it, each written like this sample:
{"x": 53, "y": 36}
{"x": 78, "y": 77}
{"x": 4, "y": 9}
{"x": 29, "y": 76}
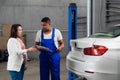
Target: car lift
{"x": 72, "y": 31}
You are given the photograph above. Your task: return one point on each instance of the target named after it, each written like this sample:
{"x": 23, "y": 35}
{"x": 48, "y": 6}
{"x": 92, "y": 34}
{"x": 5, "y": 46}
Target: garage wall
{"x": 30, "y": 12}
{"x": 113, "y": 12}
{"x": 106, "y": 13}
{"x": 99, "y": 15}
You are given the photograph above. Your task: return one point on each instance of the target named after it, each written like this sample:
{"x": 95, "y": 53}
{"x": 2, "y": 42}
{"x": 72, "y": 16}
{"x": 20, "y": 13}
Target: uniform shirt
{"x": 57, "y": 37}
{"x": 15, "y": 58}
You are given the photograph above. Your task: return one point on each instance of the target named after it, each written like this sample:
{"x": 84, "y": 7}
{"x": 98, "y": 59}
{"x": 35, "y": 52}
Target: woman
{"x": 17, "y": 53}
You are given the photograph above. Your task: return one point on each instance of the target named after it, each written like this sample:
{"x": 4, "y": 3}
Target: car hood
{"x": 88, "y": 42}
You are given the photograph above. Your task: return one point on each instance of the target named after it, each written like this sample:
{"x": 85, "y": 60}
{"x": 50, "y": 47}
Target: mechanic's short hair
{"x": 46, "y": 20}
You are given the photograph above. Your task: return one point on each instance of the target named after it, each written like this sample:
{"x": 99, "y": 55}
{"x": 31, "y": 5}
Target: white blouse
{"x": 15, "y": 58}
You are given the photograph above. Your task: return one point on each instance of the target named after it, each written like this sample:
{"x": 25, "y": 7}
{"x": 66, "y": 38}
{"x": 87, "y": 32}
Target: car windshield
{"x": 110, "y": 32}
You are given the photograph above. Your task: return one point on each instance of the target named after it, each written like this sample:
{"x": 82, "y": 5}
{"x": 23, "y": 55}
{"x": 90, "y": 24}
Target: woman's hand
{"x": 32, "y": 49}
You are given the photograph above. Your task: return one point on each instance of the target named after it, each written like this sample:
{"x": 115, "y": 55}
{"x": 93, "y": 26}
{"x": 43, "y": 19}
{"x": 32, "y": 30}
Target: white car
{"x": 96, "y": 57}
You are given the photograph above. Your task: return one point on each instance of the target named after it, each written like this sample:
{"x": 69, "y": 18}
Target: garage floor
{"x": 32, "y": 72}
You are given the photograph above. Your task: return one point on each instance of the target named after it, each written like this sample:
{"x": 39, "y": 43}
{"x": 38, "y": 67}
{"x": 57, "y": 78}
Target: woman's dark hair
{"x": 46, "y": 20}
{"x": 14, "y": 29}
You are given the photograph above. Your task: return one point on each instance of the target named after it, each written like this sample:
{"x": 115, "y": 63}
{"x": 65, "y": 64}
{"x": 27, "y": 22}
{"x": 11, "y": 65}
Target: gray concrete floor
{"x": 32, "y": 72}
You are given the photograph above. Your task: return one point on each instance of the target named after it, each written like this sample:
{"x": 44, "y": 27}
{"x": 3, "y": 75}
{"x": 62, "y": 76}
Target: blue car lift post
{"x": 72, "y": 31}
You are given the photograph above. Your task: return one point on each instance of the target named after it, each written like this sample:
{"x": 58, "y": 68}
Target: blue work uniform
{"x": 49, "y": 61}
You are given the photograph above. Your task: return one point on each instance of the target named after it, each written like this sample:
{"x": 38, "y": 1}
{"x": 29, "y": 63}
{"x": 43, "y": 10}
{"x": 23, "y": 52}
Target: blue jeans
{"x": 17, "y": 75}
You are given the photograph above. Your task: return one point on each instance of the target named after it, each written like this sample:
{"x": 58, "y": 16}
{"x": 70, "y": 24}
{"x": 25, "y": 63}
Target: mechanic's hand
{"x": 59, "y": 49}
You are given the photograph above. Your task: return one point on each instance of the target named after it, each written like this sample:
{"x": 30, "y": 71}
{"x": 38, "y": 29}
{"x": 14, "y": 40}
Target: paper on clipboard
{"x": 43, "y": 48}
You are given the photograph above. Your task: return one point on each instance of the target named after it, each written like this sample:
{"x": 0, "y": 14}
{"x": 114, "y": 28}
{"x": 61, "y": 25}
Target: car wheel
{"x": 84, "y": 78}
{"x": 81, "y": 78}
{"x": 5, "y": 55}
{"x": 1, "y": 56}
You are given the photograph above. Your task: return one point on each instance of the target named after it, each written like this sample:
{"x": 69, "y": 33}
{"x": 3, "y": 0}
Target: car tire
{"x": 1, "y": 56}
{"x": 5, "y": 55}
{"x": 84, "y": 78}
{"x": 81, "y": 78}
